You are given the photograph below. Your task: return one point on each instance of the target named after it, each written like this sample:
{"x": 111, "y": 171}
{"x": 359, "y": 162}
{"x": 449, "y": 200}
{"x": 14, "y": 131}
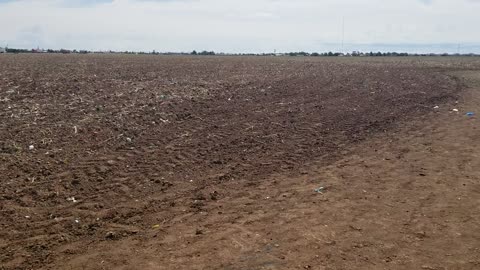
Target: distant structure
{"x": 3, "y": 50}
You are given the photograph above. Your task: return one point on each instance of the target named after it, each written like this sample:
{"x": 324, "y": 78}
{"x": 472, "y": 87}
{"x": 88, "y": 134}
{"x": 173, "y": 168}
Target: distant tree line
{"x": 203, "y": 53}
{"x": 210, "y": 53}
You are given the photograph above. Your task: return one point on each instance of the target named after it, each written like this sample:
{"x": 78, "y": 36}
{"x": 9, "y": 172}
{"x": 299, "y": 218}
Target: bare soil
{"x": 146, "y": 162}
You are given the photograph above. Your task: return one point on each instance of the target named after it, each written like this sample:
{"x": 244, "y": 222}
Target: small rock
{"x": 421, "y": 234}
{"x": 214, "y": 196}
{"x": 198, "y": 232}
{"x": 111, "y": 162}
{"x": 31, "y": 147}
{"x": 110, "y": 235}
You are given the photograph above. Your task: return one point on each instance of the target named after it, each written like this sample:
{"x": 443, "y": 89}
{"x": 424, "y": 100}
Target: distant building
{"x": 3, "y": 50}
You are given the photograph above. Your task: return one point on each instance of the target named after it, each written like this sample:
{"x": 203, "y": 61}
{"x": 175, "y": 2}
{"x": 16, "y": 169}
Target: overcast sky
{"x": 242, "y": 25}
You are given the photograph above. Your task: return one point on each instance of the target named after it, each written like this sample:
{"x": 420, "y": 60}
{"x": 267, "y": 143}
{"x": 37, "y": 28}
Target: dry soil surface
{"x": 140, "y": 162}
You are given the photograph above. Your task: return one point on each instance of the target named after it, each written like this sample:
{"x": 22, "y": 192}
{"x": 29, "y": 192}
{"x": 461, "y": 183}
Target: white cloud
{"x": 228, "y": 25}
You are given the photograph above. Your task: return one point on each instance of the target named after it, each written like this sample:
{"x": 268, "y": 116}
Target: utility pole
{"x": 343, "y": 34}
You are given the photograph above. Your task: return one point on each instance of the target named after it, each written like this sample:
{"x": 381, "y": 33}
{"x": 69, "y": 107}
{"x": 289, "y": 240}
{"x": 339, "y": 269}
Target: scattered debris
{"x": 436, "y": 107}
{"x": 455, "y": 110}
{"x": 76, "y": 129}
{"x": 470, "y": 114}
{"x": 320, "y": 190}
{"x": 156, "y": 226}
{"x": 129, "y": 140}
{"x": 72, "y": 199}
{"x": 31, "y": 147}
{"x": 27, "y": 217}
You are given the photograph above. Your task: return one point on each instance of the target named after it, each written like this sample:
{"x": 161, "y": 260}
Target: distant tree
{"x": 207, "y": 53}
{"x": 194, "y": 52}
{"x": 315, "y": 54}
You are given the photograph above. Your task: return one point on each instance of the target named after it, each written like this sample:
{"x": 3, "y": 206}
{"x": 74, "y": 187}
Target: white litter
{"x": 31, "y": 147}
{"x": 455, "y": 110}
{"x": 72, "y": 199}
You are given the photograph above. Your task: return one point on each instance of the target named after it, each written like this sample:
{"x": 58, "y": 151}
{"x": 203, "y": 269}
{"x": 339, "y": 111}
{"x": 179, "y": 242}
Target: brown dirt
{"x": 212, "y": 163}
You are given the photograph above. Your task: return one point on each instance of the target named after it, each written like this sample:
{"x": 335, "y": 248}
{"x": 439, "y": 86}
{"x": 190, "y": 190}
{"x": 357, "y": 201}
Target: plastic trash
{"x": 455, "y": 110}
{"x": 320, "y": 190}
{"x": 470, "y": 114}
{"x": 436, "y": 107}
{"x": 31, "y": 147}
